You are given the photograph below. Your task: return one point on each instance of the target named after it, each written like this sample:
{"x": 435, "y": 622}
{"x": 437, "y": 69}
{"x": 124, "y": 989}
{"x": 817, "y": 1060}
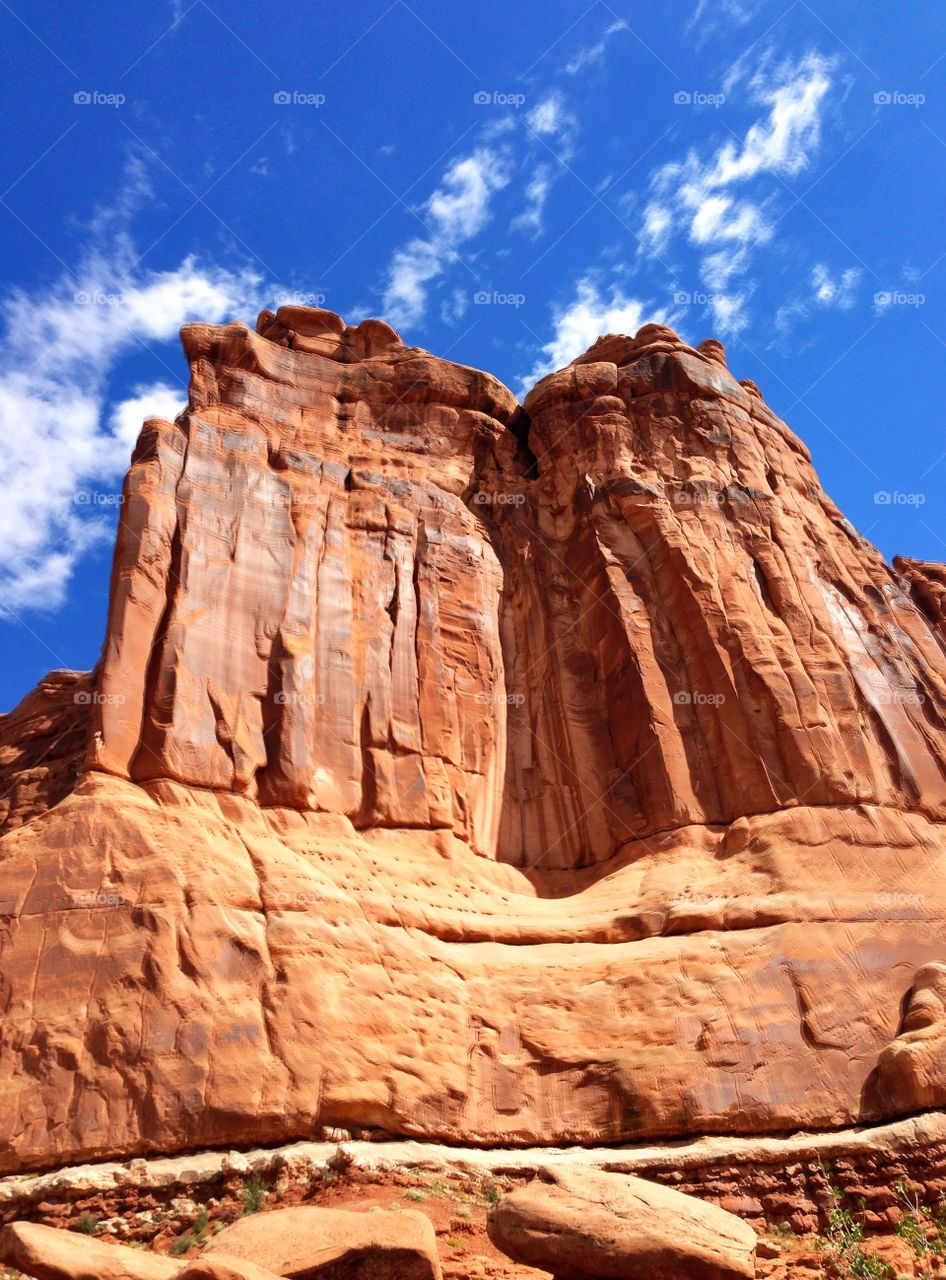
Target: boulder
{"x": 50, "y": 1254}
{"x": 309, "y": 1243}
{"x": 589, "y": 1225}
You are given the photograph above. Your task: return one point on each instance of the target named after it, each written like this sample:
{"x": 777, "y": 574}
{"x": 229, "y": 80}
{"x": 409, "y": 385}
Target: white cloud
{"x": 455, "y": 306}
{"x": 593, "y": 53}
{"x": 456, "y": 212}
{"x": 693, "y": 192}
{"x": 826, "y": 292}
{"x": 463, "y": 204}
{"x": 718, "y": 217}
{"x": 657, "y": 228}
{"x": 65, "y": 450}
{"x": 712, "y": 17}
{"x": 729, "y": 312}
{"x": 588, "y": 317}
{"x": 718, "y": 269}
{"x": 720, "y": 201}
{"x": 156, "y": 400}
{"x": 549, "y": 116}
{"x": 530, "y": 219}
{"x": 839, "y": 292}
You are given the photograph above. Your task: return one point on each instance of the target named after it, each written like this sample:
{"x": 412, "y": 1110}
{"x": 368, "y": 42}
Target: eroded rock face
{"x": 716, "y": 640}
{"x": 304, "y": 608}
{"x": 565, "y": 773}
{"x": 44, "y": 744}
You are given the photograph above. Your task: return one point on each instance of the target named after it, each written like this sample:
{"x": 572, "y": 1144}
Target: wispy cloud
{"x": 721, "y": 202}
{"x": 550, "y": 118}
{"x": 455, "y": 213}
{"x": 712, "y": 16}
{"x": 537, "y": 191}
{"x": 826, "y": 291}
{"x": 588, "y": 55}
{"x": 462, "y": 205}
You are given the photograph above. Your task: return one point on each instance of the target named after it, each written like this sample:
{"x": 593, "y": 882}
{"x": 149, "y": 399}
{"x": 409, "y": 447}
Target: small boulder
{"x": 309, "y": 1243}
{"x": 590, "y": 1225}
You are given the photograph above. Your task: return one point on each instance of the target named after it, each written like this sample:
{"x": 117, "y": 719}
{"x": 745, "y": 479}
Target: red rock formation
{"x": 561, "y": 773}
{"x": 304, "y": 609}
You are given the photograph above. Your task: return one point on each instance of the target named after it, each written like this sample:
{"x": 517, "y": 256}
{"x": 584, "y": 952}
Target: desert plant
{"x": 843, "y": 1242}
{"x": 922, "y": 1228}
{"x": 195, "y": 1236}
{"x": 416, "y": 1194}
{"x": 254, "y": 1194}
{"x": 87, "y": 1224}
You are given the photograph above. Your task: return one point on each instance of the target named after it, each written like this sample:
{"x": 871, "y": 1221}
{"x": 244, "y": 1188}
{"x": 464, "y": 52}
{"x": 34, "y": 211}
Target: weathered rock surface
{"x": 310, "y": 1243}
{"x": 48, "y": 1254}
{"x": 43, "y": 746}
{"x": 572, "y": 773}
{"x": 590, "y": 1225}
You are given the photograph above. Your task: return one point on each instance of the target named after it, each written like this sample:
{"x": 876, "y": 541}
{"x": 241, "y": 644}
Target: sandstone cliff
{"x": 561, "y": 772}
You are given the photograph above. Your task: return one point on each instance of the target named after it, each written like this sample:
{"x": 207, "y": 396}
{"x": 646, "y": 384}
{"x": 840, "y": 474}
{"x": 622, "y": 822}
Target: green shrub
{"x": 254, "y": 1194}
{"x": 923, "y": 1228}
{"x": 843, "y": 1242}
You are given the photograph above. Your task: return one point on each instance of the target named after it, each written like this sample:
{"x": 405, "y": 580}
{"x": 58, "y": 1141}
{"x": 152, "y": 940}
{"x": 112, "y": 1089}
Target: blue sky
{"x": 503, "y": 182}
